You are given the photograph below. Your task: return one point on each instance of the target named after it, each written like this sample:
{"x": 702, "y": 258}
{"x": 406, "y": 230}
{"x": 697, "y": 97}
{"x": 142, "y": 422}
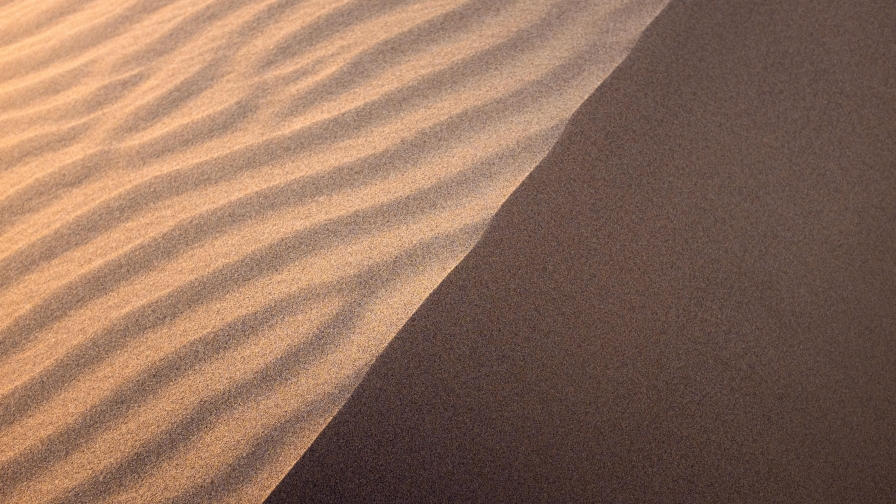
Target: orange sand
{"x": 215, "y": 215}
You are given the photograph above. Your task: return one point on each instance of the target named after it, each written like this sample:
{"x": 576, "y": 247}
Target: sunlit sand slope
{"x": 692, "y": 298}
{"x": 214, "y": 215}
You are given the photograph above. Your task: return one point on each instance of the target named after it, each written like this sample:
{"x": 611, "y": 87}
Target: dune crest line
{"x": 215, "y": 215}
{"x": 692, "y": 298}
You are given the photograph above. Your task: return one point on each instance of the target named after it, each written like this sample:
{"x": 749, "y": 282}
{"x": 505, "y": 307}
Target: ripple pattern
{"x": 214, "y": 215}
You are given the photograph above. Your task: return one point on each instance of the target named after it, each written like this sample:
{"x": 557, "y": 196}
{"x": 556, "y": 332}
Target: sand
{"x": 215, "y": 215}
{"x": 691, "y": 299}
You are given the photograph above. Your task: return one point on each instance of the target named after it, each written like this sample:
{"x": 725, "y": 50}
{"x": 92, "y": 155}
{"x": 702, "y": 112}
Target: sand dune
{"x": 214, "y": 215}
{"x": 691, "y": 299}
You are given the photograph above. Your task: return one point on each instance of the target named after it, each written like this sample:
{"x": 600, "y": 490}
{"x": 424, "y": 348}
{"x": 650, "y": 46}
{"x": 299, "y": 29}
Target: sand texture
{"x": 691, "y": 299}
{"x": 214, "y": 215}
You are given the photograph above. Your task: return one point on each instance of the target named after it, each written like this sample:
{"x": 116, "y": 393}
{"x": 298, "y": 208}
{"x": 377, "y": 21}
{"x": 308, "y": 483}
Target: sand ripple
{"x": 214, "y": 215}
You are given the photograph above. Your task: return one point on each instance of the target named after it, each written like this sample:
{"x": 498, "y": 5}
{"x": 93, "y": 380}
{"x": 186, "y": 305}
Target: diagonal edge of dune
{"x": 690, "y": 299}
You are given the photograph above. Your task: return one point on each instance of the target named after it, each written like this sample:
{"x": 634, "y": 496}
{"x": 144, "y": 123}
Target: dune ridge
{"x": 214, "y": 215}
{"x": 692, "y": 298}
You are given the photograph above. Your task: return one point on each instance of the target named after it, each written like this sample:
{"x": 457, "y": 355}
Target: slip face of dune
{"x": 214, "y": 215}
{"x": 691, "y": 299}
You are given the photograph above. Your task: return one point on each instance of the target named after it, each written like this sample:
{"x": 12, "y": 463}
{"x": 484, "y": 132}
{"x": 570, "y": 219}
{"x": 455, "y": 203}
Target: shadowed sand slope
{"x": 215, "y": 214}
{"x": 691, "y": 299}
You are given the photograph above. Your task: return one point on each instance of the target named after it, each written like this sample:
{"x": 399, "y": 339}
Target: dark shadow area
{"x": 691, "y": 299}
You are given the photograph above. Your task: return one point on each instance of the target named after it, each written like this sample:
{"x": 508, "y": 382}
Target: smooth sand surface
{"x": 215, "y": 214}
{"x": 691, "y": 299}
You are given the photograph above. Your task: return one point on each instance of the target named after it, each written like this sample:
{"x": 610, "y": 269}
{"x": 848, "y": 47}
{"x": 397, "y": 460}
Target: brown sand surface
{"x": 691, "y": 299}
{"x": 215, "y": 214}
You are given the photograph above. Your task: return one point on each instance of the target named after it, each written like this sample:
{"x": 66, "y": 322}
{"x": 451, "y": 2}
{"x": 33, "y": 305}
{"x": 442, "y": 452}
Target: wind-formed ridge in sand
{"x": 213, "y": 216}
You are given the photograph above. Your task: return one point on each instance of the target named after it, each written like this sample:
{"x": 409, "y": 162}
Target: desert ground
{"x": 215, "y": 215}
{"x": 691, "y": 299}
